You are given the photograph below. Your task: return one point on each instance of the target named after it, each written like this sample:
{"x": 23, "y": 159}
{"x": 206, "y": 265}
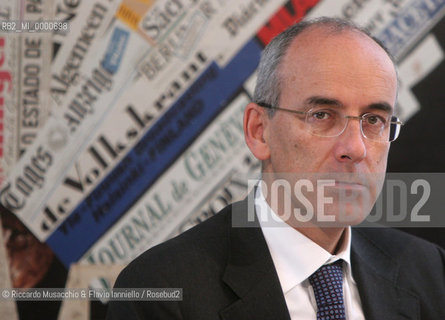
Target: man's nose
{"x": 350, "y": 145}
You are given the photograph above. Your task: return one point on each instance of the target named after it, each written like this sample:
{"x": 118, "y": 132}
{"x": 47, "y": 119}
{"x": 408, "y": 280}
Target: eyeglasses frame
{"x": 394, "y": 119}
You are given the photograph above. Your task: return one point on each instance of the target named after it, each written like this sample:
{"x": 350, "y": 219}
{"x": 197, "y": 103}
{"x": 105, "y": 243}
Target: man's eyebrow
{"x": 384, "y": 106}
{"x": 319, "y": 100}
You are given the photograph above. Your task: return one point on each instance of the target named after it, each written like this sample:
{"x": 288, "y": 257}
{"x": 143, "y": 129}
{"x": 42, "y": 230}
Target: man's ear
{"x": 255, "y": 126}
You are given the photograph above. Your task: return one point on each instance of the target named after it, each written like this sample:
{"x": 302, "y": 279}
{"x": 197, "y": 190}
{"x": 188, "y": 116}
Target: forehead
{"x": 344, "y": 65}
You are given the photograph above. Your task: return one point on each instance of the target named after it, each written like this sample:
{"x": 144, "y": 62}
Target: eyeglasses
{"x": 328, "y": 122}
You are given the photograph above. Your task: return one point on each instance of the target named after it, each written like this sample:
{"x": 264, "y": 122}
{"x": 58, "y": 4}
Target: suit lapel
{"x": 251, "y": 274}
{"x": 376, "y": 275}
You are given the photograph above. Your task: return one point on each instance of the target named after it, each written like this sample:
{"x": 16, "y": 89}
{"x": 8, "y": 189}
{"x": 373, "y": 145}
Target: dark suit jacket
{"x": 228, "y": 273}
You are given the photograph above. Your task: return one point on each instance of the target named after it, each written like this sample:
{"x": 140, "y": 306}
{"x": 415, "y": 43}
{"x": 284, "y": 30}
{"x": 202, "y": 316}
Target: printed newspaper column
{"x": 153, "y": 154}
{"x": 111, "y": 142}
{"x": 191, "y": 27}
{"x": 86, "y": 17}
{"x": 34, "y": 61}
{"x": 212, "y": 172}
{"x": 24, "y": 61}
{"x": 67, "y": 131}
{"x": 233, "y": 23}
{"x": 203, "y": 179}
{"x": 52, "y": 217}
{"x": 88, "y": 21}
{"x": 9, "y": 77}
{"x": 136, "y": 110}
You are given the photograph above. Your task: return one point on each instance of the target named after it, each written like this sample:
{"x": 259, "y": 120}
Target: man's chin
{"x": 349, "y": 215}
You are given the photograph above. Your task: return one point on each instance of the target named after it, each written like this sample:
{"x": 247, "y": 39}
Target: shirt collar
{"x": 295, "y": 256}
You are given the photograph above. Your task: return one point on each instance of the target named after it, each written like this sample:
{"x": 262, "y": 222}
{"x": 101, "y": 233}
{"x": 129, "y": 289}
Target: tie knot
{"x": 327, "y": 283}
{"x": 328, "y": 274}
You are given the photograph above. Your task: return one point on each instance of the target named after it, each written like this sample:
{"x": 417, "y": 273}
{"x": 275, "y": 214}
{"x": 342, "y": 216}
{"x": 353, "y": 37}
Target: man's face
{"x": 346, "y": 72}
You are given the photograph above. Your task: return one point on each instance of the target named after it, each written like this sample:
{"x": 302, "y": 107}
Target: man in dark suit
{"x": 287, "y": 255}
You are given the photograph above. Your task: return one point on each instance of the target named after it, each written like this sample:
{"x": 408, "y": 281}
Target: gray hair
{"x": 268, "y": 84}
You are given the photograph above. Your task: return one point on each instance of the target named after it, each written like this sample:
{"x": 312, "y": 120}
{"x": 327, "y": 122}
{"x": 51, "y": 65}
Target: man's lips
{"x": 344, "y": 184}
{"x": 349, "y": 185}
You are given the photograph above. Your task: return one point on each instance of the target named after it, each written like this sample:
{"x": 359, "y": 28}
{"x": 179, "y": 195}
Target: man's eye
{"x": 375, "y": 120}
{"x": 321, "y": 115}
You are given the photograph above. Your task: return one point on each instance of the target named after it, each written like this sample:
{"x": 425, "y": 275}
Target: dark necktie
{"x": 327, "y": 283}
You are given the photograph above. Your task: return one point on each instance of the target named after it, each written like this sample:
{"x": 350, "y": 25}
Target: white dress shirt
{"x": 296, "y": 257}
